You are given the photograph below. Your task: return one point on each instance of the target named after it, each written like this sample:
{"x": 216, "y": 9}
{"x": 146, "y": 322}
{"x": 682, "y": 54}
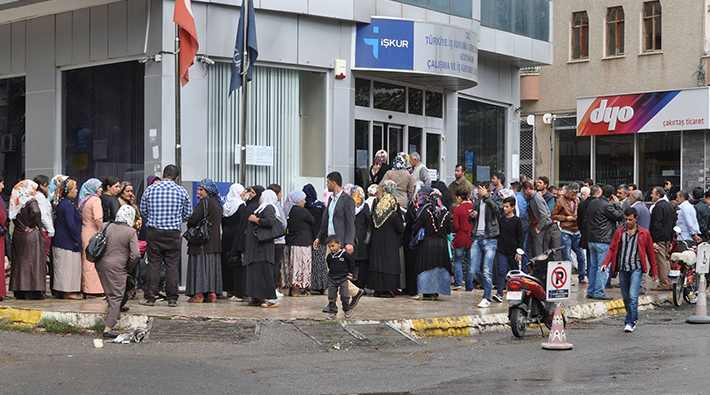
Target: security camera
{"x": 205, "y": 59}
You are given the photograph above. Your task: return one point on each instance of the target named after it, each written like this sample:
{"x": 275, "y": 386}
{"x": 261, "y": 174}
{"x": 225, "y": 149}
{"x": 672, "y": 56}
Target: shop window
{"x": 361, "y": 152}
{"x": 652, "y": 26}
{"x": 103, "y": 129}
{"x": 416, "y": 101}
{"x": 573, "y": 156}
{"x": 415, "y": 139}
{"x": 615, "y": 31}
{"x": 362, "y": 92}
{"x": 614, "y": 160}
{"x": 580, "y": 35}
{"x": 434, "y": 104}
{"x": 659, "y": 159}
{"x": 388, "y": 97}
{"x": 12, "y": 132}
{"x": 481, "y": 138}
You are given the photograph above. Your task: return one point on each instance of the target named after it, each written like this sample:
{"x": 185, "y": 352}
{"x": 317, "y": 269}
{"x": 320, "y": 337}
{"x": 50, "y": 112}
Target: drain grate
{"x": 179, "y": 331}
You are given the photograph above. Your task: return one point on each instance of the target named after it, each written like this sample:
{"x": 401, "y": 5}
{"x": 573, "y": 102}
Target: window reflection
{"x": 434, "y": 104}
{"x": 659, "y": 156}
{"x": 388, "y": 96}
{"x": 614, "y": 160}
{"x": 573, "y": 156}
{"x": 482, "y": 133}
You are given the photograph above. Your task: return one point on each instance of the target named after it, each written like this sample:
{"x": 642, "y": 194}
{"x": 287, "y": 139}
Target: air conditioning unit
{"x": 8, "y": 142}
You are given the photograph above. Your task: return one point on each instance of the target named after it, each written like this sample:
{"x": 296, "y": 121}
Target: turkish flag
{"x": 188, "y": 37}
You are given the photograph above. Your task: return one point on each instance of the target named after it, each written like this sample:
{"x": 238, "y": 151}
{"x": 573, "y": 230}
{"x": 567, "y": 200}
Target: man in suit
{"x": 339, "y": 220}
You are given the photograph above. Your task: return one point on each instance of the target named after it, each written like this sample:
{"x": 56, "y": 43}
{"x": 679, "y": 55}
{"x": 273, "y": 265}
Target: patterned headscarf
{"x": 211, "y": 188}
{"x": 126, "y": 214}
{"x": 380, "y": 159}
{"x": 398, "y": 163}
{"x": 292, "y": 199}
{"x": 326, "y": 196}
{"x": 55, "y": 185}
{"x": 358, "y": 195}
{"x": 312, "y": 197}
{"x": 407, "y": 161}
{"x": 348, "y": 188}
{"x": 436, "y": 209}
{"x": 384, "y": 209}
{"x": 434, "y": 200}
{"x": 233, "y": 200}
{"x": 61, "y": 193}
{"x": 22, "y": 193}
{"x": 420, "y": 200}
{"x": 374, "y": 190}
{"x": 389, "y": 187}
{"x": 90, "y": 189}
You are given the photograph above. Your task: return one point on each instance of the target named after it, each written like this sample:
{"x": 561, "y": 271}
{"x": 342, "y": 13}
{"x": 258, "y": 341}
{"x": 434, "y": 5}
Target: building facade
{"x": 643, "y": 60}
{"x": 88, "y": 87}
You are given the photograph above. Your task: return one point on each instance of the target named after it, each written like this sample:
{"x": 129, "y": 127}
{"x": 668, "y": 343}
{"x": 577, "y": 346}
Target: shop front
{"x": 643, "y": 138}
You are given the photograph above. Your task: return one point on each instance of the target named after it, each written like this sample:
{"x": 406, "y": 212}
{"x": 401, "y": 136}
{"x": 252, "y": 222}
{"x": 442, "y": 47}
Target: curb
{"x": 456, "y": 326}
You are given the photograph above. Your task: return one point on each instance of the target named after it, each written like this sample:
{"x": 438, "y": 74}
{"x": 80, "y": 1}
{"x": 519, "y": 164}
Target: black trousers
{"x": 335, "y": 285}
{"x": 363, "y": 271}
{"x": 163, "y": 246}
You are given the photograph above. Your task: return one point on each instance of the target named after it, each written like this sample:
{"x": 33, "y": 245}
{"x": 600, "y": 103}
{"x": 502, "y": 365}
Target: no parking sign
{"x": 558, "y": 280}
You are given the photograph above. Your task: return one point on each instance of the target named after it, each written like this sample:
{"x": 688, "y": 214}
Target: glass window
{"x": 415, "y": 140}
{"x": 652, "y": 26}
{"x": 362, "y": 92}
{"x": 434, "y": 104}
{"x": 573, "y": 156}
{"x": 462, "y": 8}
{"x": 312, "y": 119}
{"x": 614, "y": 159}
{"x": 420, "y": 3}
{"x": 433, "y": 146}
{"x": 378, "y": 141}
{"x": 522, "y": 17}
{"x": 416, "y": 101}
{"x": 388, "y": 96}
{"x": 12, "y": 131}
{"x": 504, "y": 14}
{"x": 615, "y": 31}
{"x": 362, "y": 131}
{"x": 103, "y": 129}
{"x": 482, "y": 132}
{"x": 659, "y": 159}
{"x": 541, "y": 20}
{"x": 395, "y": 137}
{"x": 440, "y": 5}
{"x": 530, "y": 18}
{"x": 580, "y": 35}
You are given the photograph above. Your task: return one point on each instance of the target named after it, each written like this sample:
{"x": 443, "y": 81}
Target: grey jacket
{"x": 494, "y": 205}
{"x": 343, "y": 220}
{"x": 539, "y": 208}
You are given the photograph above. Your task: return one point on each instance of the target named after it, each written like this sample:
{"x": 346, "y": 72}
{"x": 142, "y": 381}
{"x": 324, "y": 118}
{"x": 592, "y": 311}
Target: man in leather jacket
{"x": 484, "y": 218}
{"x": 603, "y": 214}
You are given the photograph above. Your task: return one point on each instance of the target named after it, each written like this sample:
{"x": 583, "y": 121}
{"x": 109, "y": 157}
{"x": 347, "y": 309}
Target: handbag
{"x": 97, "y": 245}
{"x": 269, "y": 234}
{"x": 416, "y": 239}
{"x": 200, "y": 233}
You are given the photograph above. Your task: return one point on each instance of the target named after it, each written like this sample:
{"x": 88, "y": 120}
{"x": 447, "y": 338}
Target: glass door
{"x": 395, "y": 137}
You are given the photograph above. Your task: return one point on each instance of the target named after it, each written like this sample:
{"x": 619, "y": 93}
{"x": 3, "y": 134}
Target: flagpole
{"x": 244, "y": 69}
{"x": 178, "y": 126}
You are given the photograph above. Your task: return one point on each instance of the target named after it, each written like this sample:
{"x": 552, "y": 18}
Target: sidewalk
{"x": 454, "y": 315}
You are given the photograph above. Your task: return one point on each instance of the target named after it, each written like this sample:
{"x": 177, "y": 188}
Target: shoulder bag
{"x": 269, "y": 234}
{"x": 200, "y": 233}
{"x": 97, "y": 245}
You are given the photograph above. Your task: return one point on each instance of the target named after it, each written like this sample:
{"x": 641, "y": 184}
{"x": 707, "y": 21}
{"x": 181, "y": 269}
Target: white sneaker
{"x": 278, "y": 293}
{"x": 628, "y": 328}
{"x": 485, "y": 303}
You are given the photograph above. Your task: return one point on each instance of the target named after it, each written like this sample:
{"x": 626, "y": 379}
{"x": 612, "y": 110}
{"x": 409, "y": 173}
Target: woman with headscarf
{"x": 447, "y": 199}
{"x": 417, "y": 202}
{"x": 55, "y": 189}
{"x": 387, "y": 230}
{"x": 28, "y": 276}
{"x": 319, "y": 269}
{"x": 92, "y": 213}
{"x": 433, "y": 267}
{"x": 204, "y": 261}
{"x": 402, "y": 178}
{"x": 66, "y": 244}
{"x": 232, "y": 215}
{"x": 252, "y": 198}
{"x": 118, "y": 260}
{"x": 127, "y": 197}
{"x": 296, "y": 267}
{"x": 363, "y": 219}
{"x": 379, "y": 167}
{"x": 259, "y": 255}
{"x": 407, "y": 162}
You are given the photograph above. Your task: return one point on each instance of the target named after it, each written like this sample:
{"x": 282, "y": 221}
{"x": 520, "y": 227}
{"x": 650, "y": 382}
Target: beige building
{"x": 603, "y": 51}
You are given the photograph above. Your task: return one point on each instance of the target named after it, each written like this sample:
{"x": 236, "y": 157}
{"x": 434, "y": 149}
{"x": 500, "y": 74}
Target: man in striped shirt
{"x": 630, "y": 253}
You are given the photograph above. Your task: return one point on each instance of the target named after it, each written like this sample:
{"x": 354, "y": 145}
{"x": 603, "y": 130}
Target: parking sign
{"x": 558, "y": 280}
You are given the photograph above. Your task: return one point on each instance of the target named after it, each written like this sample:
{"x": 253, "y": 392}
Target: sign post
{"x": 558, "y": 284}
{"x": 702, "y": 267}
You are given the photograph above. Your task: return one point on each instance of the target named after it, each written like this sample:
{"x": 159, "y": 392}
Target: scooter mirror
{"x": 676, "y": 229}
{"x": 520, "y": 251}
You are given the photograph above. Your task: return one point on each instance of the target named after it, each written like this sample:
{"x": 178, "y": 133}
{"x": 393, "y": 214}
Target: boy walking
{"x": 511, "y": 238}
{"x": 340, "y": 269}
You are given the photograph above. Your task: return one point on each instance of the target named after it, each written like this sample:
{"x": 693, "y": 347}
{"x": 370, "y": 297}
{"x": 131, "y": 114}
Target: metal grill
{"x": 527, "y": 150}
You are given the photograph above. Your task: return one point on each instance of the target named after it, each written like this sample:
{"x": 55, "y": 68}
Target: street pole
{"x": 245, "y": 66}
{"x": 178, "y": 153}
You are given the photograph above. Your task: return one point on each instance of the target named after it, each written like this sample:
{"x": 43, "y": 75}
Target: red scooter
{"x": 526, "y": 295}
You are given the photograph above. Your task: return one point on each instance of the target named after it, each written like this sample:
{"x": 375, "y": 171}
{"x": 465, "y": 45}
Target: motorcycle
{"x": 526, "y": 295}
{"x": 683, "y": 277}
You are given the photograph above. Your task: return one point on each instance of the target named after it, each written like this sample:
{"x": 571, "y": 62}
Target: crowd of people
{"x": 400, "y": 233}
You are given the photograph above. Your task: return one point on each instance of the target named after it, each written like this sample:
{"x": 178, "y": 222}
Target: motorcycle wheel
{"x": 677, "y": 295}
{"x": 517, "y": 322}
{"x": 690, "y": 292}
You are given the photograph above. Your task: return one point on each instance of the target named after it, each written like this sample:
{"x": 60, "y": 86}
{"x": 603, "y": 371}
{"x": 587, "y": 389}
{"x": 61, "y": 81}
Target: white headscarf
{"x": 268, "y": 198}
{"x": 126, "y": 215}
{"x": 292, "y": 199}
{"x": 233, "y": 201}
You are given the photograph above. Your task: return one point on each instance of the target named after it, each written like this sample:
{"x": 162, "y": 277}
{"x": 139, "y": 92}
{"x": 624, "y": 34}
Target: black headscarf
{"x": 446, "y": 198}
{"x": 312, "y": 197}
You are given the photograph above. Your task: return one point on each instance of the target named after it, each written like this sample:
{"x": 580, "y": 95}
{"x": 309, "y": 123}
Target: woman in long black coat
{"x": 232, "y": 216}
{"x": 388, "y": 227}
{"x": 259, "y": 255}
{"x": 319, "y": 269}
{"x": 363, "y": 220}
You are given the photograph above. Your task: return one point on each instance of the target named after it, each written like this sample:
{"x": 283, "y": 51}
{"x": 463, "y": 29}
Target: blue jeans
{"x": 630, "y": 283}
{"x": 486, "y": 249}
{"x": 597, "y": 279}
{"x": 571, "y": 242}
{"x": 505, "y": 264}
{"x": 459, "y": 255}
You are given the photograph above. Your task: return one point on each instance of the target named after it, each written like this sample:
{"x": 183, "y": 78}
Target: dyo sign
{"x": 611, "y": 115}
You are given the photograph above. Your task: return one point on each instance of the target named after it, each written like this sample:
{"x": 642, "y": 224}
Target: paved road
{"x": 664, "y": 355}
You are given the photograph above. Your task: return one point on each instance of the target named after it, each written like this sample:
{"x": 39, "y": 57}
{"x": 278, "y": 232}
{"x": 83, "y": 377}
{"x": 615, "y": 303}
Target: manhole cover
{"x": 178, "y": 331}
